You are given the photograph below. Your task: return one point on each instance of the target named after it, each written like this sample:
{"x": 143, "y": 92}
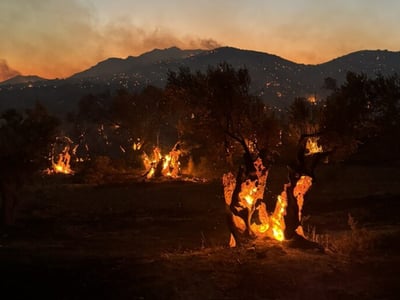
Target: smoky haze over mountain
{"x": 78, "y": 38}
{"x": 275, "y": 80}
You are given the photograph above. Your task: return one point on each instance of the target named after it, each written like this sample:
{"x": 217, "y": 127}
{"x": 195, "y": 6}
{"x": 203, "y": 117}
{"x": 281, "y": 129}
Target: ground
{"x": 169, "y": 240}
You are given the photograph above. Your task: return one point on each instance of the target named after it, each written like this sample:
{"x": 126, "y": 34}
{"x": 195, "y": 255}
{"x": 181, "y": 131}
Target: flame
{"x": 232, "y": 241}
{"x": 151, "y": 172}
{"x": 63, "y": 163}
{"x": 301, "y": 188}
{"x": 312, "y": 99}
{"x": 170, "y": 163}
{"x": 60, "y": 156}
{"x": 312, "y": 146}
{"x": 136, "y": 146}
{"x": 267, "y": 225}
{"x": 277, "y": 218}
{"x": 247, "y": 193}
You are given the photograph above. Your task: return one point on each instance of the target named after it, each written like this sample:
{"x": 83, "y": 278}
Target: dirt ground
{"x": 168, "y": 240}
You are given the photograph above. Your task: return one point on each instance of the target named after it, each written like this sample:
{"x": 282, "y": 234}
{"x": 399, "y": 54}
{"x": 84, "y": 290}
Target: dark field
{"x": 168, "y": 240}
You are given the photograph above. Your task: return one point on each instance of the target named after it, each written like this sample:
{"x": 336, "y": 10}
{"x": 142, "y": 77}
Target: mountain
{"x": 276, "y": 80}
{"x": 132, "y": 64}
{"x": 21, "y": 79}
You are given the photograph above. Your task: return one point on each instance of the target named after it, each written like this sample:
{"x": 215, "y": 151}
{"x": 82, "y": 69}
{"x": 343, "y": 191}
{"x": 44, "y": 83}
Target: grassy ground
{"x": 147, "y": 240}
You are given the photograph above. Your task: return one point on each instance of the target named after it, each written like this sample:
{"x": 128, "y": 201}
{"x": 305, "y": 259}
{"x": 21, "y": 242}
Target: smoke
{"x": 126, "y": 39}
{"x": 5, "y": 71}
{"x": 53, "y": 38}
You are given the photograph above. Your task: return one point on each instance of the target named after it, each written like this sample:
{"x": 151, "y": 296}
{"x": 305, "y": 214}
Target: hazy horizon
{"x": 75, "y": 35}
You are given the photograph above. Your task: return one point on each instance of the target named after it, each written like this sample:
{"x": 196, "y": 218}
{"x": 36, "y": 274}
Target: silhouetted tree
{"x": 330, "y": 84}
{"x": 304, "y": 117}
{"x": 215, "y": 112}
{"x": 25, "y": 139}
{"x": 364, "y": 110}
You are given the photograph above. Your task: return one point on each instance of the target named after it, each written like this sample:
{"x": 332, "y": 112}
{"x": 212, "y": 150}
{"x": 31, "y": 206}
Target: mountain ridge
{"x": 277, "y": 81}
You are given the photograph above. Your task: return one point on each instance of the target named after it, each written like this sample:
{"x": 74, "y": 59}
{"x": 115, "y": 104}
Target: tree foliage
{"x": 216, "y": 113}
{"x": 365, "y": 110}
{"x": 25, "y": 139}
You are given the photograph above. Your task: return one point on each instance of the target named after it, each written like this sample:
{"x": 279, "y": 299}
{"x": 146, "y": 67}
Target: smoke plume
{"x": 5, "y": 71}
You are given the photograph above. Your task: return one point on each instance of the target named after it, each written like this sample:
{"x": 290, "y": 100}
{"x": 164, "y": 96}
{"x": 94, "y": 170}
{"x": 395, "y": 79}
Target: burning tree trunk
{"x": 295, "y": 191}
{"x": 247, "y": 213}
{"x": 243, "y": 197}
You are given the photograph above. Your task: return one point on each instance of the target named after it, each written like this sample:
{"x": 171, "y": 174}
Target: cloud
{"x": 5, "y": 71}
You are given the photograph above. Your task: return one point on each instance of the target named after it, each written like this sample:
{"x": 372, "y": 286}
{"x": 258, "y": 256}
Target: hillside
{"x": 276, "y": 80}
{"x": 21, "y": 79}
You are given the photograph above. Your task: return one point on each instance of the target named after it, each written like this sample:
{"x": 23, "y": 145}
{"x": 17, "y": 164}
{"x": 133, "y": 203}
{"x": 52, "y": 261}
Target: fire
{"x": 63, "y": 163}
{"x": 266, "y": 225}
{"x": 62, "y": 150}
{"x": 312, "y": 99}
{"x": 277, "y": 219}
{"x": 301, "y": 188}
{"x": 247, "y": 193}
{"x": 312, "y": 146}
{"x": 163, "y": 165}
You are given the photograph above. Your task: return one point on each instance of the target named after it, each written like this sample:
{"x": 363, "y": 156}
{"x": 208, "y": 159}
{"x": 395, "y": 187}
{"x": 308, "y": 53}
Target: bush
{"x": 98, "y": 171}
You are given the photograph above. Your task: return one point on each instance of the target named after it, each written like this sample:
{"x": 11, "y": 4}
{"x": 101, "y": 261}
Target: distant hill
{"x": 276, "y": 80}
{"x": 21, "y": 79}
{"x": 132, "y": 65}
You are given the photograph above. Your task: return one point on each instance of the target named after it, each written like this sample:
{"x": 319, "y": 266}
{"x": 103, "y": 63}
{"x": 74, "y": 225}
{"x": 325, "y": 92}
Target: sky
{"x": 57, "y": 38}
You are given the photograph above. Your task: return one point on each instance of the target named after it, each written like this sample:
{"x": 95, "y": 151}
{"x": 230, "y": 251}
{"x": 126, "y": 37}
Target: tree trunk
{"x": 291, "y": 218}
{"x": 243, "y": 197}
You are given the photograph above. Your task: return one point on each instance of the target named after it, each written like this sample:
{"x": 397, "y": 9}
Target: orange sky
{"x": 56, "y": 38}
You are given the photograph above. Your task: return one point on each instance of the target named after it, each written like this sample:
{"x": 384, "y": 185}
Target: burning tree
{"x": 248, "y": 216}
{"x": 220, "y": 111}
{"x": 215, "y": 112}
